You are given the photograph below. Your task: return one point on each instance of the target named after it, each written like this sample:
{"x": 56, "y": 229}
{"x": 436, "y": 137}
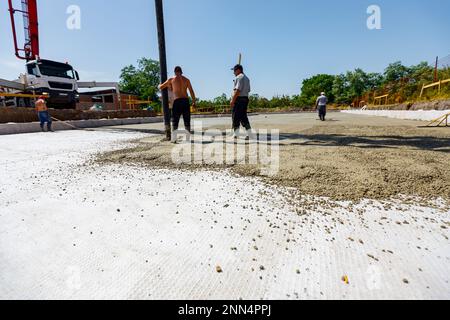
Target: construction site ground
{"x": 359, "y": 209}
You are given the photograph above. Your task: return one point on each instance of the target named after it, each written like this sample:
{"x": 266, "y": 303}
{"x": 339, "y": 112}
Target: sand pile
{"x": 339, "y": 160}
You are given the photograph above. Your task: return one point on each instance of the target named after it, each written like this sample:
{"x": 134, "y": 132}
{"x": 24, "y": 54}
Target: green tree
{"x": 422, "y": 72}
{"x": 358, "y": 83}
{"x": 353, "y": 84}
{"x": 418, "y": 75}
{"x": 374, "y": 80}
{"x": 142, "y": 80}
{"x": 341, "y": 89}
{"x": 221, "y": 100}
{"x": 395, "y": 71}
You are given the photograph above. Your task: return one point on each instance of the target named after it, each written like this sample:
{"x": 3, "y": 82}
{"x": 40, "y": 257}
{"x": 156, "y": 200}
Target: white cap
{"x": 323, "y": 93}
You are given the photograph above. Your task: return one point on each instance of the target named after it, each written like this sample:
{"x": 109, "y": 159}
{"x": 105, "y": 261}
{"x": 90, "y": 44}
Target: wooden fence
{"x": 434, "y": 84}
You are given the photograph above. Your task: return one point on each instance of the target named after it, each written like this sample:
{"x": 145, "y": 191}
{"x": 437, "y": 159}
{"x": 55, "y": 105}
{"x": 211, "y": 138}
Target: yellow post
{"x": 18, "y": 95}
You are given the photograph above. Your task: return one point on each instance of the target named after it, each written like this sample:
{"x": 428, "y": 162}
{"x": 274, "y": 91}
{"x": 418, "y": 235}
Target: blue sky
{"x": 282, "y": 41}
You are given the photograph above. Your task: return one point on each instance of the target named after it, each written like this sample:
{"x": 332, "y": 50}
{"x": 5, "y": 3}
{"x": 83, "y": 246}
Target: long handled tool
{"x": 71, "y": 126}
{"x": 68, "y": 124}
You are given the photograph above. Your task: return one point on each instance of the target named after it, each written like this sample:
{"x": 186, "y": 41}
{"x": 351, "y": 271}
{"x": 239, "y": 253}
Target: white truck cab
{"x": 58, "y": 80}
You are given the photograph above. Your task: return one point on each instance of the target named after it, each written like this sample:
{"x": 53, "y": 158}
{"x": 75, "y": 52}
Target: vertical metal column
{"x": 163, "y": 64}
{"x": 436, "y": 70}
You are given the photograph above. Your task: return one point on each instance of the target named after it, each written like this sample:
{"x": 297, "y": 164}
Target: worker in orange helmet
{"x": 43, "y": 114}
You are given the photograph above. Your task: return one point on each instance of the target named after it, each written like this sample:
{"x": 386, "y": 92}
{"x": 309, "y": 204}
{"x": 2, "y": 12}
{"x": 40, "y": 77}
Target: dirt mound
{"x": 421, "y": 105}
{"x": 338, "y": 159}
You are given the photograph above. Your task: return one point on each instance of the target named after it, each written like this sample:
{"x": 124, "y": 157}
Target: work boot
{"x": 189, "y": 131}
{"x": 189, "y": 134}
{"x": 251, "y": 135}
{"x": 42, "y": 128}
{"x": 174, "y": 137}
{"x": 49, "y": 128}
{"x": 168, "y": 136}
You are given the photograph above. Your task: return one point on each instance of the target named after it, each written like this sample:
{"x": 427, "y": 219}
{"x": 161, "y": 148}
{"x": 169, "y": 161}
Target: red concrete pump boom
{"x": 30, "y": 50}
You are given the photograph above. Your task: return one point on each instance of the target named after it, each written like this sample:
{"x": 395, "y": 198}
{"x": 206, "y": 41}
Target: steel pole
{"x": 163, "y": 64}
{"x": 436, "y": 70}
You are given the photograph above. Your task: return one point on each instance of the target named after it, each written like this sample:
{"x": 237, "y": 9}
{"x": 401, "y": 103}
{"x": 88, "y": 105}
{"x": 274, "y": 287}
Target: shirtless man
{"x": 180, "y": 86}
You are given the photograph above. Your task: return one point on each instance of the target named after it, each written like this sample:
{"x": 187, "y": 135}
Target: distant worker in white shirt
{"x": 321, "y": 106}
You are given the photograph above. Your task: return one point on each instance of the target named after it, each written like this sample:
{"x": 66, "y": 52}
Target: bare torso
{"x": 41, "y": 105}
{"x": 180, "y": 87}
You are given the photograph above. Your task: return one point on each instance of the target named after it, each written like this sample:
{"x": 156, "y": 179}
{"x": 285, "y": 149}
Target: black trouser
{"x": 240, "y": 116}
{"x": 181, "y": 107}
{"x": 322, "y": 112}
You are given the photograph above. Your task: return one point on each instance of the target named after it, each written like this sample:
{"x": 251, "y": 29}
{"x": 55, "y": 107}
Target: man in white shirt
{"x": 240, "y": 100}
{"x": 321, "y": 106}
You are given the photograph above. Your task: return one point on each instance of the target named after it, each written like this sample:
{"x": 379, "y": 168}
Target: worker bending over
{"x": 239, "y": 101}
{"x": 180, "y": 86}
{"x": 321, "y": 106}
{"x": 43, "y": 114}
